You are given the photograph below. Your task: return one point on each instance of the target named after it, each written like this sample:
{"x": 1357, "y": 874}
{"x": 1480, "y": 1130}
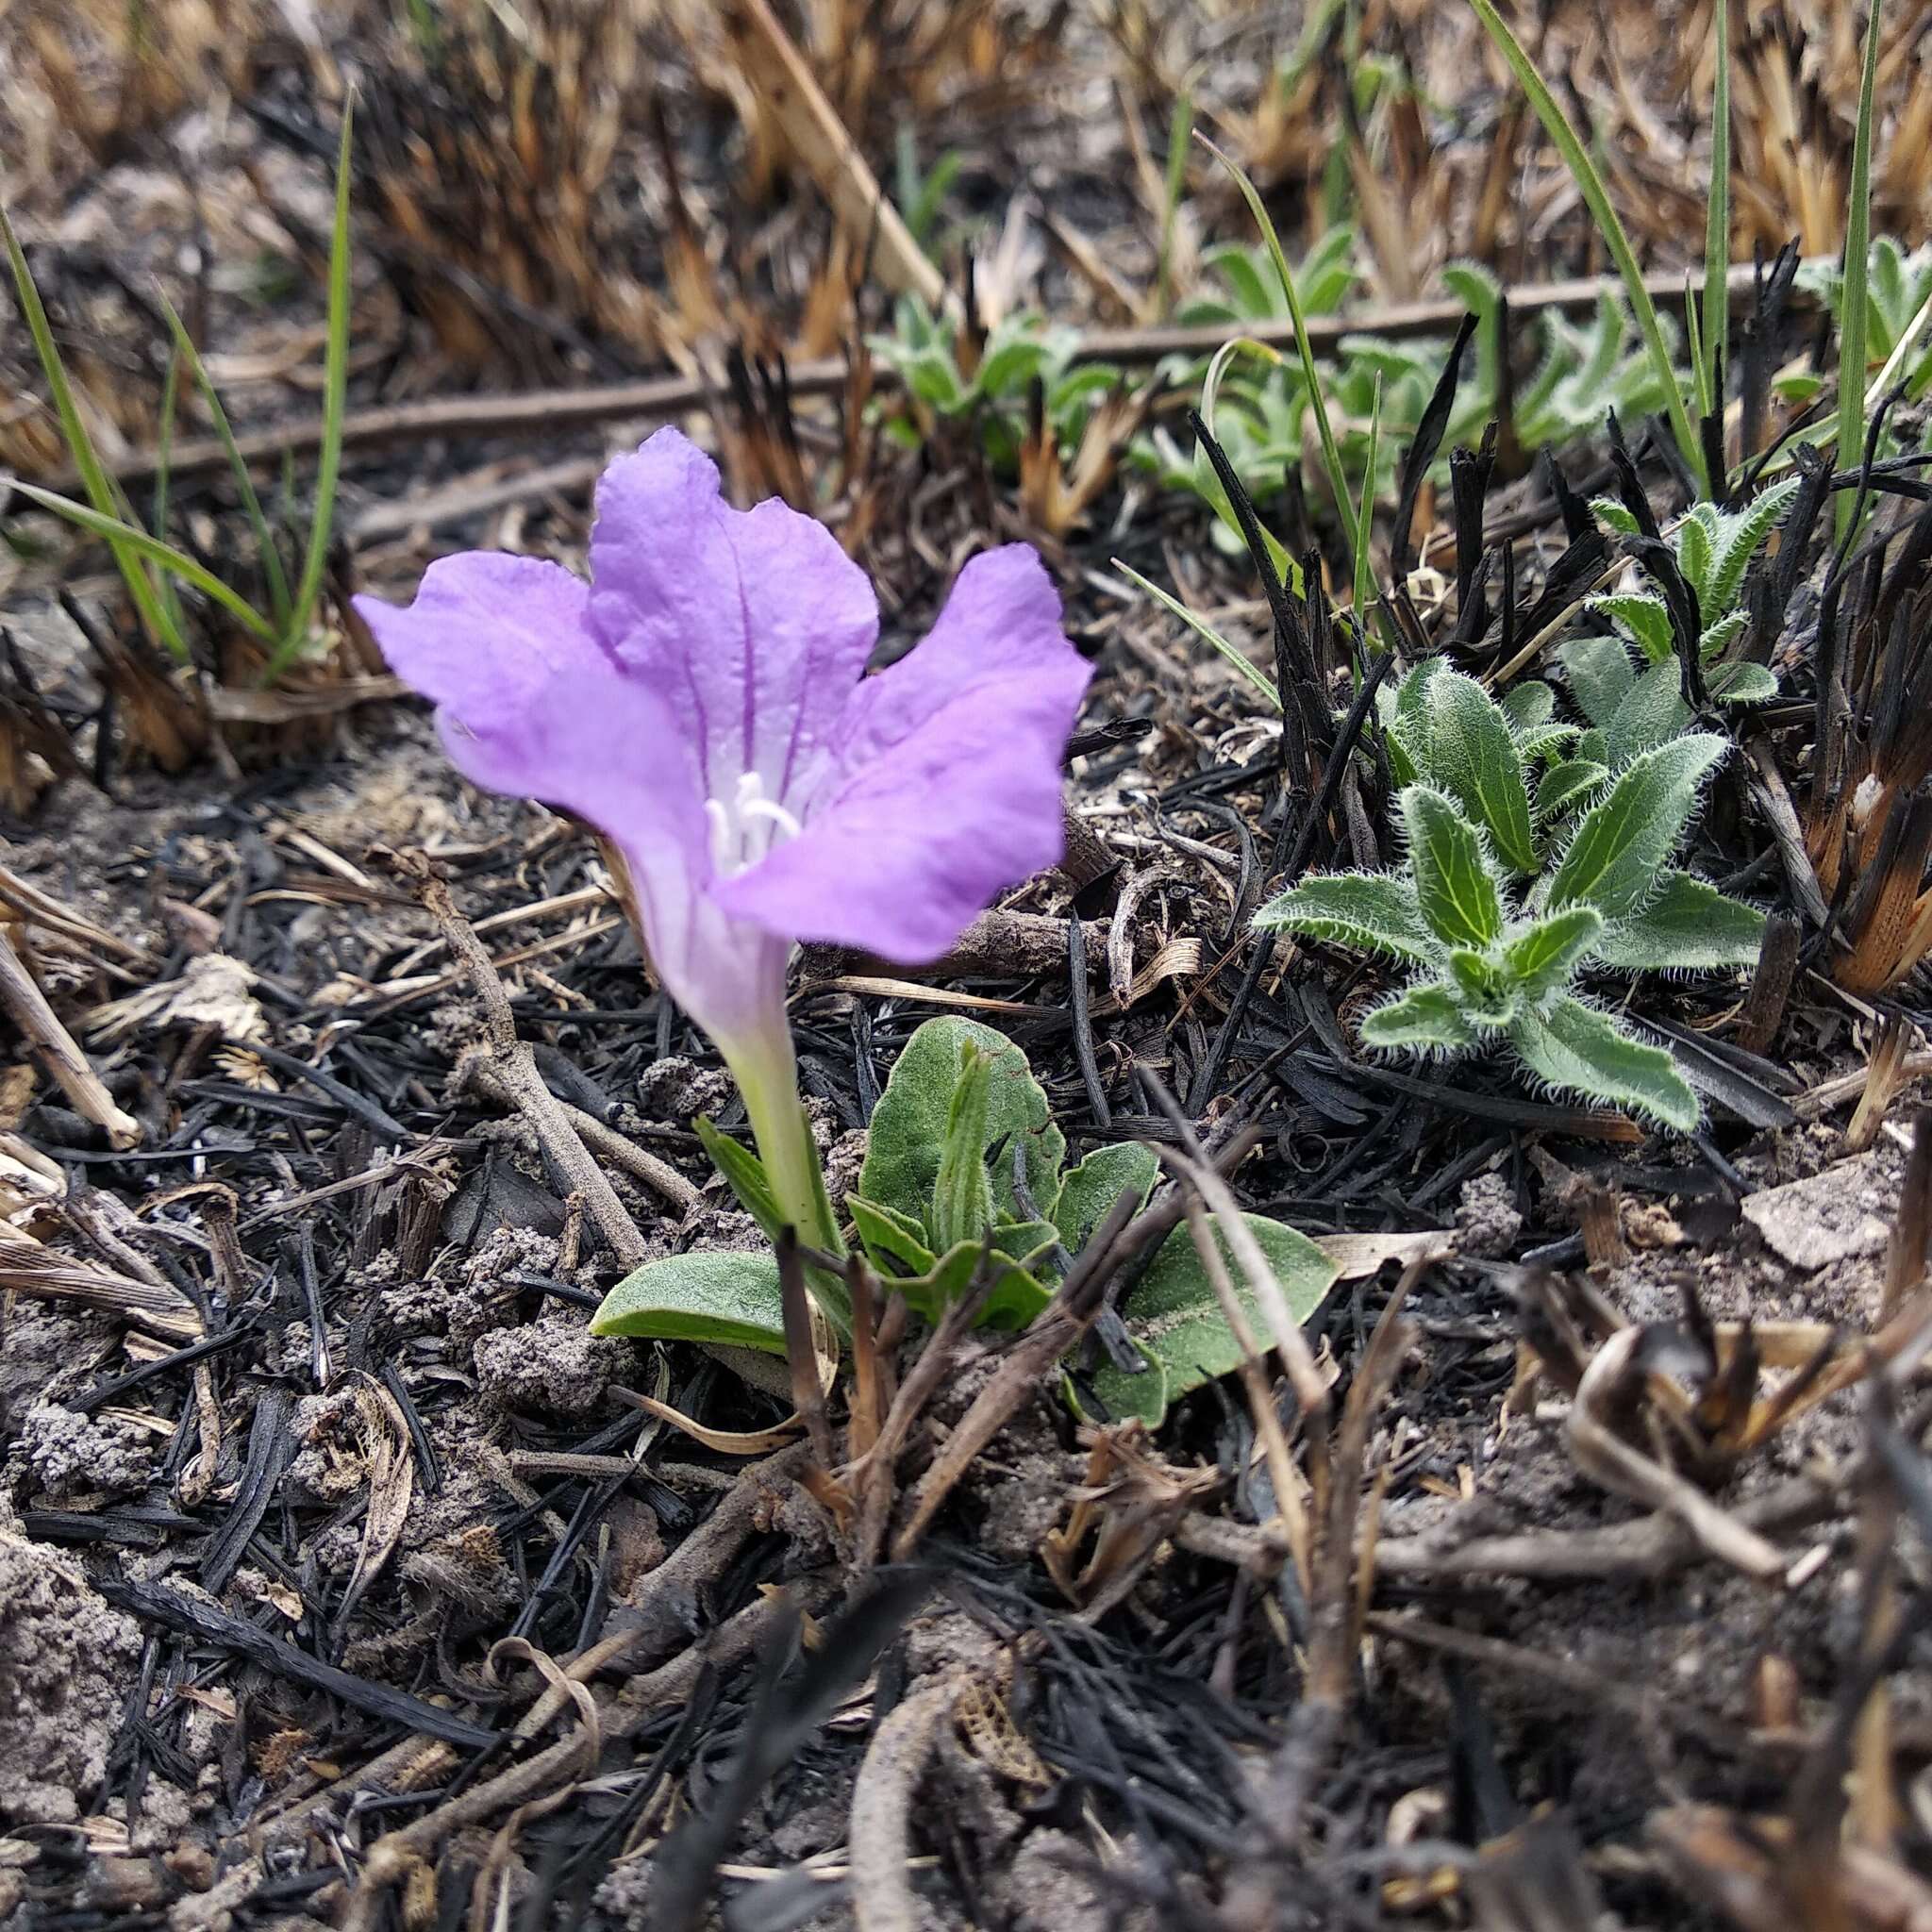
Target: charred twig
{"x": 26, "y": 1006}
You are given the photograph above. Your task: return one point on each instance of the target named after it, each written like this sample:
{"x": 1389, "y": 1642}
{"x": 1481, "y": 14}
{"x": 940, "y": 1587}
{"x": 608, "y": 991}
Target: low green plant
{"x": 1714, "y": 549}
{"x": 1898, "y": 311}
{"x": 1513, "y": 885}
{"x": 1254, "y": 400}
{"x": 941, "y": 379}
{"x": 151, "y": 566}
{"x": 965, "y": 1171}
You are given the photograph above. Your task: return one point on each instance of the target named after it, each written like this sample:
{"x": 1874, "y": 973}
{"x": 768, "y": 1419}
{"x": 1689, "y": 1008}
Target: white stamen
{"x": 772, "y": 813}
{"x": 735, "y": 842}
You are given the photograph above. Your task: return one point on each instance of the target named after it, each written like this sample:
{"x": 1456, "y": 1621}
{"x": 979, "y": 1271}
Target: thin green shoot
{"x": 1694, "y": 342}
{"x": 164, "y": 456}
{"x": 120, "y": 536}
{"x": 1590, "y": 184}
{"x": 1331, "y": 453}
{"x": 1717, "y": 220}
{"x": 1207, "y": 484}
{"x": 101, "y": 492}
{"x": 1202, "y": 629}
{"x": 1364, "y": 566}
{"x": 1852, "y": 346}
{"x": 334, "y": 407}
{"x": 280, "y": 604}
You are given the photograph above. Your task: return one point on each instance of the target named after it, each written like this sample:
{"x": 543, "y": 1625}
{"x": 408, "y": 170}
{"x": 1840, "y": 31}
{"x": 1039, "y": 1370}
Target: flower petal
{"x": 947, "y": 788}
{"x": 529, "y": 704}
{"x": 752, "y": 625}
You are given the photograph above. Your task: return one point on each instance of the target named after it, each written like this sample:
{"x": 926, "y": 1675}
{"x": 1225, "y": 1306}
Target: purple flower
{"x": 702, "y": 702}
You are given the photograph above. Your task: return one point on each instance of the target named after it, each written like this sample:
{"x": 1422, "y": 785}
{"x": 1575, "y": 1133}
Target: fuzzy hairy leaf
{"x": 1642, "y": 618}
{"x": 1566, "y": 786}
{"x": 1472, "y": 757}
{"x": 909, "y": 1124}
{"x": 1577, "y": 1050}
{"x": 1427, "y": 1019}
{"x": 1738, "y": 538}
{"x": 1485, "y": 990}
{"x": 1600, "y": 673}
{"x": 1454, "y": 888}
{"x": 1176, "y": 1318}
{"x": 1687, "y": 925}
{"x": 1543, "y": 741}
{"x": 1743, "y": 684}
{"x": 1090, "y": 1189}
{"x": 733, "y": 1300}
{"x": 1696, "y": 546}
{"x": 1546, "y": 957}
{"x": 744, "y": 1174}
{"x": 1719, "y": 637}
{"x": 1612, "y": 514}
{"x": 1527, "y": 705}
{"x": 1372, "y": 912}
{"x": 1652, "y": 713}
{"x": 893, "y": 1242}
{"x": 1625, "y": 840}
{"x": 962, "y": 1206}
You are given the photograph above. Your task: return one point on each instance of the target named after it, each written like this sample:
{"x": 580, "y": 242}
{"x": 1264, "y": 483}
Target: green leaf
{"x": 1577, "y": 1050}
{"x": 1484, "y": 992}
{"x": 1614, "y": 514}
{"x": 1370, "y": 913}
{"x": 244, "y": 484}
{"x": 1528, "y": 705}
{"x": 1853, "y": 347}
{"x": 1425, "y": 1019}
{"x": 1743, "y": 684}
{"x": 1175, "y": 1316}
{"x": 1015, "y": 1298}
{"x": 1599, "y": 673}
{"x": 1626, "y": 838}
{"x": 1696, "y": 546}
{"x": 961, "y": 1193}
{"x": 744, "y": 1174}
{"x": 1534, "y": 745}
{"x": 1653, "y": 710}
{"x": 1090, "y": 1189}
{"x": 124, "y": 536}
{"x": 1717, "y": 638}
{"x": 1567, "y": 785}
{"x": 1717, "y": 215}
{"x": 1546, "y": 957}
{"x": 1251, "y": 672}
{"x": 731, "y": 1299}
{"x": 908, "y": 1124}
{"x": 1642, "y": 618}
{"x": 1687, "y": 925}
{"x": 1454, "y": 888}
{"x": 1331, "y": 456}
{"x": 1473, "y": 756}
{"x": 1740, "y": 537}
{"x": 895, "y": 1242}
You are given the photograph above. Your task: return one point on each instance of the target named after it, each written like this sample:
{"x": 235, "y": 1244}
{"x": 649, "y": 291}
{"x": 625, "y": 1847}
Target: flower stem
{"x": 767, "y": 1076}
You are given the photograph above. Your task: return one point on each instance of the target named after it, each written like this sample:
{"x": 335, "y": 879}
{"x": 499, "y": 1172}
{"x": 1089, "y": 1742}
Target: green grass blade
{"x": 164, "y": 456}
{"x": 1590, "y": 184}
{"x": 335, "y": 403}
{"x": 244, "y": 483}
{"x": 1204, "y": 630}
{"x": 1331, "y": 455}
{"x": 1694, "y": 342}
{"x": 100, "y": 487}
{"x": 1851, "y": 314}
{"x": 153, "y": 550}
{"x": 1717, "y": 216}
{"x": 1364, "y": 524}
